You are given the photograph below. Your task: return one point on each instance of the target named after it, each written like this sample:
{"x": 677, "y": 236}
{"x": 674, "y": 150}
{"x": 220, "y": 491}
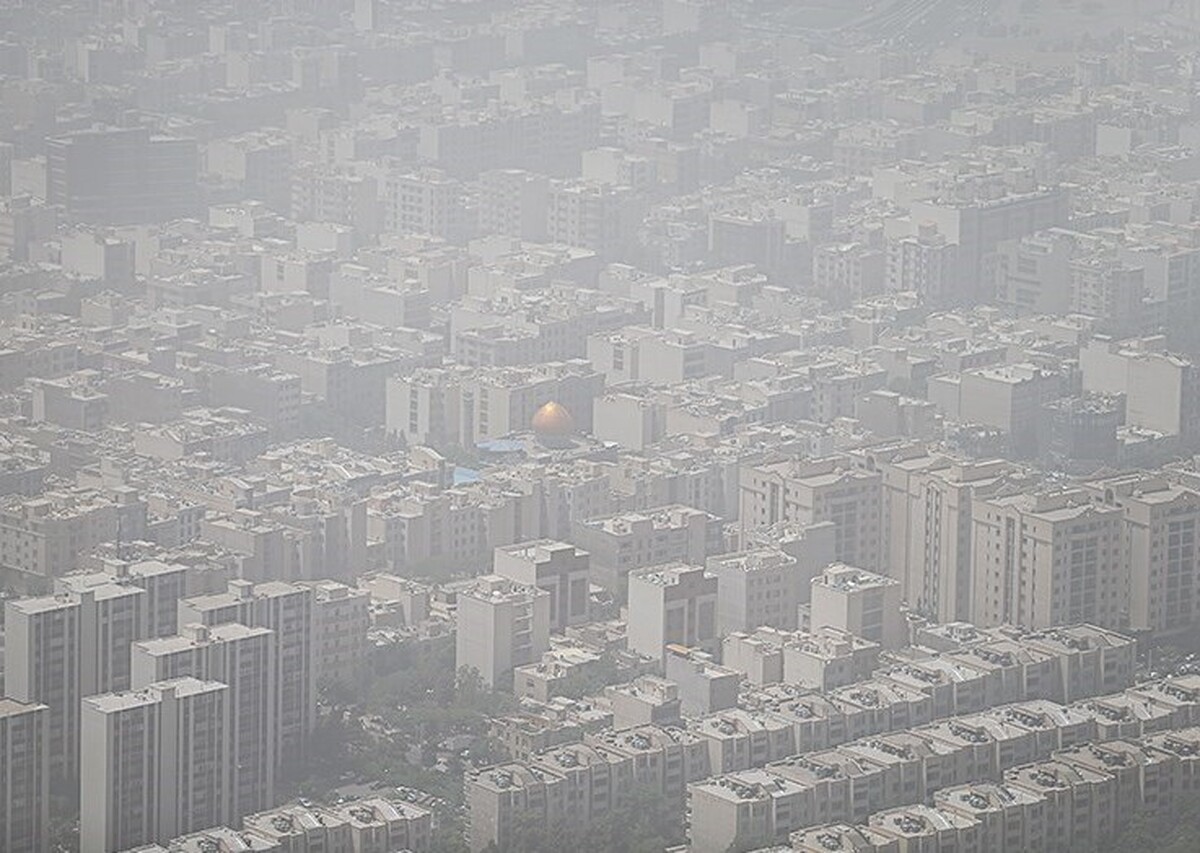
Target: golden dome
{"x": 553, "y": 419}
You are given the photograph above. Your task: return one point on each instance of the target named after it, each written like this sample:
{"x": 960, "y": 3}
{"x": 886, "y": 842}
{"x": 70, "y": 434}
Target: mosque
{"x": 552, "y": 421}
{"x": 552, "y": 432}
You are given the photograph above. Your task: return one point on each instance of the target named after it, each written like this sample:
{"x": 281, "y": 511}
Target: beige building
{"x": 1048, "y": 559}
{"x": 752, "y": 806}
{"x": 164, "y": 584}
{"x": 1161, "y": 542}
{"x": 499, "y": 796}
{"x": 666, "y": 759}
{"x": 1008, "y": 397}
{"x": 671, "y": 604}
{"x": 286, "y": 609}
{"x": 646, "y": 701}
{"x": 1080, "y": 802}
{"x": 555, "y": 674}
{"x": 243, "y": 659}
{"x": 926, "y": 507}
{"x": 61, "y": 648}
{"x": 1011, "y": 819}
{"x": 1075, "y": 799}
{"x": 758, "y": 655}
{"x": 559, "y": 568}
{"x": 633, "y": 540}
{"x": 379, "y": 825}
{"x": 44, "y": 535}
{"x": 157, "y": 764}
{"x": 842, "y": 838}
{"x": 502, "y": 624}
{"x": 341, "y": 618}
{"x": 828, "y": 657}
{"x": 738, "y": 739}
{"x": 764, "y": 586}
{"x": 1159, "y": 387}
{"x": 704, "y": 685}
{"x": 821, "y": 659}
{"x": 833, "y": 490}
{"x": 926, "y": 827}
{"x": 24, "y": 777}
{"x": 300, "y": 827}
{"x": 597, "y": 779}
{"x": 859, "y": 602}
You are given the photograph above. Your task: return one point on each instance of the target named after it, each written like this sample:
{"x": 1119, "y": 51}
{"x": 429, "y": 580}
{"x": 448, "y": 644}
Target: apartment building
{"x": 296, "y": 826}
{"x": 748, "y": 806}
{"x": 502, "y": 624}
{"x": 156, "y": 761}
{"x": 559, "y": 568}
{"x": 859, "y": 602}
{"x": 648, "y": 700}
{"x": 25, "y": 776}
{"x": 42, "y": 536}
{"x": 287, "y": 610}
{"x": 927, "y": 505}
{"x": 1159, "y": 541}
{"x": 1070, "y": 800}
{"x": 1080, "y": 801}
{"x": 340, "y": 619}
{"x": 824, "y": 658}
{"x": 666, "y": 759}
{"x": 633, "y": 540}
{"x": 763, "y": 586}
{"x": 498, "y": 796}
{"x": 380, "y": 825}
{"x": 242, "y": 658}
{"x": 59, "y": 649}
{"x": 164, "y": 584}
{"x": 738, "y": 739}
{"x": 704, "y": 685}
{"x": 832, "y": 489}
{"x": 913, "y": 827}
{"x": 146, "y": 178}
{"x": 1053, "y": 558}
{"x": 675, "y": 603}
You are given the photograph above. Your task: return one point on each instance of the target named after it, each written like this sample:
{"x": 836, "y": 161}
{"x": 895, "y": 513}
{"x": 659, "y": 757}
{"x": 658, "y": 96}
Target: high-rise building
{"x": 559, "y": 568}
{"x": 632, "y": 540}
{"x": 425, "y": 201}
{"x": 1161, "y": 544}
{"x": 927, "y": 503}
{"x": 980, "y": 216}
{"x": 156, "y": 763}
{"x": 763, "y": 586}
{"x": 286, "y": 609}
{"x": 163, "y": 583}
{"x": 61, "y": 648}
{"x": 592, "y": 216}
{"x": 513, "y": 202}
{"x": 122, "y": 176}
{"x": 243, "y": 659}
{"x": 501, "y": 624}
{"x": 24, "y": 777}
{"x": 858, "y": 602}
{"x": 341, "y": 619}
{"x": 1053, "y": 558}
{"x": 832, "y": 489}
{"x": 41, "y": 664}
{"x": 672, "y": 604}
{"x": 924, "y": 263}
{"x": 112, "y": 616}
